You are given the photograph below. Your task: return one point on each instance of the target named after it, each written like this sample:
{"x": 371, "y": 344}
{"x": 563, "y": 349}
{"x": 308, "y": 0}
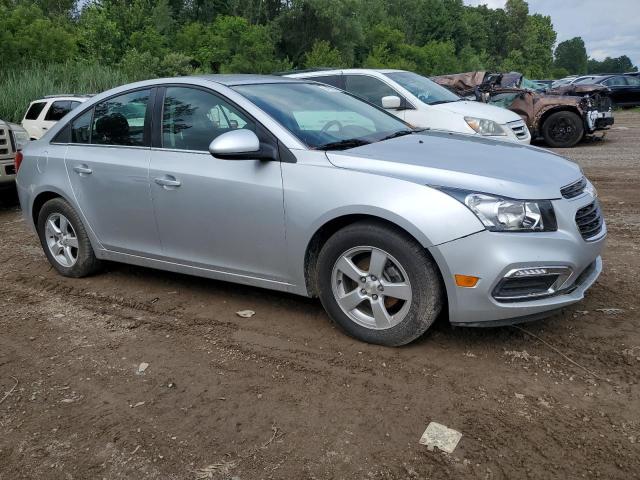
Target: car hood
{"x": 464, "y": 162}
{"x": 480, "y": 110}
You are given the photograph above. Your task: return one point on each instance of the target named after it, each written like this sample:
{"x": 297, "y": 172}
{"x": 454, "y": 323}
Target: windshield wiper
{"x": 399, "y": 133}
{"x": 343, "y": 144}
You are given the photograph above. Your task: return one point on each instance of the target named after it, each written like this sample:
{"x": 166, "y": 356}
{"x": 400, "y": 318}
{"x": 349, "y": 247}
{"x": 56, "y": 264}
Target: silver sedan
{"x": 296, "y": 186}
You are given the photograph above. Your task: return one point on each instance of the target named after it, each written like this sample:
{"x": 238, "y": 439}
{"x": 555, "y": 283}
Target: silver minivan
{"x": 300, "y": 187}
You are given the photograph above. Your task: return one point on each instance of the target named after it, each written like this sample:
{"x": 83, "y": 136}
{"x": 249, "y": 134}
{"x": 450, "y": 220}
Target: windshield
{"x": 321, "y": 116}
{"x": 427, "y": 91}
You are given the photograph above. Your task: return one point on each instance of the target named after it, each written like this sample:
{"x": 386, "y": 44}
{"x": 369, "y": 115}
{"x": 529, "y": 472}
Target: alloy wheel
{"x": 61, "y": 239}
{"x": 371, "y": 287}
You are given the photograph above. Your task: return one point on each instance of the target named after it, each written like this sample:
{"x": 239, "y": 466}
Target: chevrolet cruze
{"x": 296, "y": 186}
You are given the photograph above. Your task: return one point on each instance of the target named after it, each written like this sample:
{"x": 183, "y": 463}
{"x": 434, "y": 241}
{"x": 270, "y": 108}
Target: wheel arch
{"x": 39, "y": 200}
{"x": 330, "y": 227}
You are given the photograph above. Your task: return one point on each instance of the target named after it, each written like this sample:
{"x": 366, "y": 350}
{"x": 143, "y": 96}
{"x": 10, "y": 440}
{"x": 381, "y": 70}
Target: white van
{"x": 423, "y": 103}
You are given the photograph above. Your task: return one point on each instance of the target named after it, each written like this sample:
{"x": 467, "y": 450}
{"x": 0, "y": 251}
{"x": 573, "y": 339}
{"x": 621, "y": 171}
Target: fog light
{"x": 466, "y": 281}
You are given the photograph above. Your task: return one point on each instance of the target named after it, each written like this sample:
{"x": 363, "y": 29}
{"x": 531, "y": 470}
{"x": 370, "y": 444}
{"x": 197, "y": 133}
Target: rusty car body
{"x": 561, "y": 116}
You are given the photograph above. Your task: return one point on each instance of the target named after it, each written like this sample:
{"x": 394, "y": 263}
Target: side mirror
{"x": 391, "y": 102}
{"x": 236, "y": 145}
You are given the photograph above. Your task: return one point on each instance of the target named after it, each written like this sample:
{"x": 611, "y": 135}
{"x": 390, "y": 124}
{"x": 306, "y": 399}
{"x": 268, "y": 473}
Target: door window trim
{"x": 148, "y": 119}
{"x": 158, "y": 112}
{"x": 409, "y": 105}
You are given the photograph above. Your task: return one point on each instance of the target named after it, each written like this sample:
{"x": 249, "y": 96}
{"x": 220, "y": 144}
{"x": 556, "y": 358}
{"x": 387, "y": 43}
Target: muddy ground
{"x": 286, "y": 395}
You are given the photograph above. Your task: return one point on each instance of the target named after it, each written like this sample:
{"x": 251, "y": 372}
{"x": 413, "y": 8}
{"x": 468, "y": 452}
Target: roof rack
{"x": 78, "y": 95}
{"x": 305, "y": 70}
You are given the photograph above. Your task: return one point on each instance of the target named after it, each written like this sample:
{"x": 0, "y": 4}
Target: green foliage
{"x": 124, "y": 40}
{"x": 612, "y": 65}
{"x": 322, "y": 54}
{"x": 571, "y": 55}
{"x": 30, "y": 82}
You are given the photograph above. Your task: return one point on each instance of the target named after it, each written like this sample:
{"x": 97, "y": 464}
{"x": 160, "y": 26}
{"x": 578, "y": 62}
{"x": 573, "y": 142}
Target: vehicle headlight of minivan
{"x": 500, "y": 214}
{"x": 484, "y": 126}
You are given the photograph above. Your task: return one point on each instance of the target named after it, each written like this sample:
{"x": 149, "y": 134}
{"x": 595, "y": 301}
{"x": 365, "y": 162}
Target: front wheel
{"x": 562, "y": 129}
{"x": 378, "y": 284}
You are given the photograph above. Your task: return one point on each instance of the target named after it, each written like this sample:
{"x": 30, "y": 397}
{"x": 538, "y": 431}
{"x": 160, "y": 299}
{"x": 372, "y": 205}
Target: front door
{"x": 226, "y": 215}
{"x": 107, "y": 162}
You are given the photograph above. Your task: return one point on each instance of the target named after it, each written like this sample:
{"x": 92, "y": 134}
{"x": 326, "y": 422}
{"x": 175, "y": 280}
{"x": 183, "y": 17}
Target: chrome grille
{"x": 574, "y": 189}
{"x": 519, "y": 129}
{"x": 589, "y": 220}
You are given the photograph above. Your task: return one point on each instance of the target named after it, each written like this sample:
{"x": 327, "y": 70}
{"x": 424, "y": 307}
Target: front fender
{"x": 317, "y": 194}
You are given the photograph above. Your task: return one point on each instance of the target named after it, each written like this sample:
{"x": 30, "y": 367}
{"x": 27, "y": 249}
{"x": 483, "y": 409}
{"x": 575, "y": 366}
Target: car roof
{"x": 71, "y": 97}
{"x": 337, "y": 71}
{"x": 244, "y": 79}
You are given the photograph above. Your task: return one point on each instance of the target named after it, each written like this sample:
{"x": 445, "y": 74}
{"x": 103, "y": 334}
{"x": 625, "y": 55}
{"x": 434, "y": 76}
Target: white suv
{"x": 423, "y": 103}
{"x": 43, "y": 114}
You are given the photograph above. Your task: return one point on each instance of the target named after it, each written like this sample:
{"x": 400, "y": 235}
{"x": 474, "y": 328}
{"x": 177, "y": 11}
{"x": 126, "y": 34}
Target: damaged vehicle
{"x": 301, "y": 187}
{"x": 562, "y": 116}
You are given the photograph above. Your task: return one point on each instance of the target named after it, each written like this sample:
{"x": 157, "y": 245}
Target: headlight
{"x": 590, "y": 189}
{"x": 500, "y": 214}
{"x": 484, "y": 126}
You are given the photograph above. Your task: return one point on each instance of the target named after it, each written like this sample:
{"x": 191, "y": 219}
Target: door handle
{"x": 168, "y": 181}
{"x": 82, "y": 170}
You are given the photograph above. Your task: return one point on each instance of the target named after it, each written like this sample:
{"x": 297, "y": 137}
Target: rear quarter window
{"x": 34, "y": 110}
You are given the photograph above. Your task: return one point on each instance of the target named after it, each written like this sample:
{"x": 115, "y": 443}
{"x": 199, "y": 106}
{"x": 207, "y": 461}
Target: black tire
{"x": 423, "y": 275}
{"x": 86, "y": 263}
{"x": 562, "y": 129}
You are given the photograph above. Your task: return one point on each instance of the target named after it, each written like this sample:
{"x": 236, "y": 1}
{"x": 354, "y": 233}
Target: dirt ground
{"x": 284, "y": 394}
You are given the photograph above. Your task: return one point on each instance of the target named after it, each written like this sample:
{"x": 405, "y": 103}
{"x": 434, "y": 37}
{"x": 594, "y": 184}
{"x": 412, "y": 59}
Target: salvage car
{"x": 12, "y": 138}
{"x": 422, "y": 103}
{"x": 562, "y": 116}
{"x": 301, "y": 187}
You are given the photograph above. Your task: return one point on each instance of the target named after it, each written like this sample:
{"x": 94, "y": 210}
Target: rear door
{"x": 108, "y": 164}
{"x": 226, "y": 215}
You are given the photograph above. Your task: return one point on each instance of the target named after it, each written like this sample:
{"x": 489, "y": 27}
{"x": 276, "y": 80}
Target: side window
{"x": 192, "y": 118}
{"x": 615, "y": 82}
{"x": 121, "y": 120}
{"x": 333, "y": 80}
{"x": 57, "y": 110}
{"x": 34, "y": 111}
{"x": 81, "y": 128}
{"x": 369, "y": 88}
{"x": 633, "y": 81}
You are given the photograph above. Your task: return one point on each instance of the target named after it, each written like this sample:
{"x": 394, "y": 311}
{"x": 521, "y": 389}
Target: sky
{"x": 609, "y": 28}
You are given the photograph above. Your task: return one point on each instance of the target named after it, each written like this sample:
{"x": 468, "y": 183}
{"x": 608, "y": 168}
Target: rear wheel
{"x": 378, "y": 284}
{"x": 65, "y": 240}
{"x": 562, "y": 129}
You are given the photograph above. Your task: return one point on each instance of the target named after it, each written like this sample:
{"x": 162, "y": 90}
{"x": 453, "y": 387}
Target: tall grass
{"x": 20, "y": 86}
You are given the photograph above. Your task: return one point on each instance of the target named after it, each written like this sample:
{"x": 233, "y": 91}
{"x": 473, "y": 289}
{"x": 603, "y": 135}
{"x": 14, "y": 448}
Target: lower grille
{"x": 10, "y": 170}
{"x": 525, "y": 287}
{"x": 519, "y": 129}
{"x": 589, "y": 220}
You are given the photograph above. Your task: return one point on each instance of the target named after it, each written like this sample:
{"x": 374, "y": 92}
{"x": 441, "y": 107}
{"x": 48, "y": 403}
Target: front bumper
{"x": 597, "y": 120}
{"x": 491, "y": 256}
{"x": 7, "y": 173}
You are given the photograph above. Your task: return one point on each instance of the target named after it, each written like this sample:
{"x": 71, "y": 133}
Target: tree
{"x": 322, "y": 54}
{"x": 572, "y": 56}
{"x": 612, "y": 65}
